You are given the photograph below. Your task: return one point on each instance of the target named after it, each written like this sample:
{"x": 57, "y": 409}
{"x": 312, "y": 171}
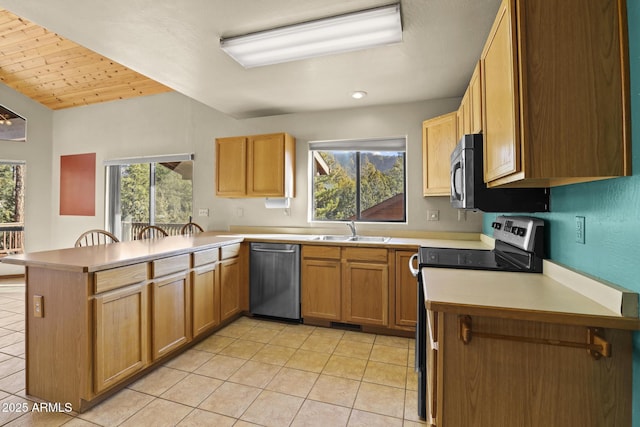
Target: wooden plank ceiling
{"x": 60, "y": 74}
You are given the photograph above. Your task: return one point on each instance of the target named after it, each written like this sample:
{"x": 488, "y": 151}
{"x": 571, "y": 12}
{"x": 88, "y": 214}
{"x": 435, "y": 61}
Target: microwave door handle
{"x": 455, "y": 193}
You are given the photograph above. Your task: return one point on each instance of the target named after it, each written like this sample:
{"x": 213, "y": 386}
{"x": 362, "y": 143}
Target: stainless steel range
{"x": 519, "y": 246}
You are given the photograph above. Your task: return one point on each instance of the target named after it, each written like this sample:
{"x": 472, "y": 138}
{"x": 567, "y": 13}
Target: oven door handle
{"x": 414, "y": 271}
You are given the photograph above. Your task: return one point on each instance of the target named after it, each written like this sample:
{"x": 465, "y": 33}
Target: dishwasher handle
{"x": 414, "y": 271}
{"x": 279, "y": 251}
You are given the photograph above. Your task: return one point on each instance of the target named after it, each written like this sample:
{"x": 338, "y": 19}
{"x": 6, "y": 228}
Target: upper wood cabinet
{"x": 555, "y": 94}
{"x": 439, "y": 137}
{"x": 469, "y": 114}
{"x": 463, "y": 117}
{"x": 256, "y": 166}
{"x": 231, "y": 167}
{"x": 475, "y": 102}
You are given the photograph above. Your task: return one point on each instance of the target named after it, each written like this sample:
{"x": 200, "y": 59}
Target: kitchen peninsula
{"x": 99, "y": 316}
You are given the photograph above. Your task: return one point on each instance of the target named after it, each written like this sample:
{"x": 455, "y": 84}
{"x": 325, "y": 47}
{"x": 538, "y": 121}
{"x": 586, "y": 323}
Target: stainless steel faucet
{"x": 352, "y": 226}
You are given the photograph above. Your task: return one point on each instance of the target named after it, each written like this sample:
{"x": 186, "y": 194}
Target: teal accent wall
{"x": 612, "y": 214}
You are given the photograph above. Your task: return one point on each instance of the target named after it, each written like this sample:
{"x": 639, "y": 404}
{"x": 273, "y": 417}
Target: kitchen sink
{"x": 334, "y": 238}
{"x": 378, "y": 239}
{"x": 337, "y": 238}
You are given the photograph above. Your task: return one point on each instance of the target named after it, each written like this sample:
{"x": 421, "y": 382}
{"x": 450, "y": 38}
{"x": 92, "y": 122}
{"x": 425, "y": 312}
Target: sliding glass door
{"x": 149, "y": 191}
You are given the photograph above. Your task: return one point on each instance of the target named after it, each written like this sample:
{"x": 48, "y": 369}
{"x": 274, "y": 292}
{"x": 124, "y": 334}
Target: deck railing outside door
{"x": 11, "y": 238}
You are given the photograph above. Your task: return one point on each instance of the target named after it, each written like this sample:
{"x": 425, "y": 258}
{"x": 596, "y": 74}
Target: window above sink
{"x": 358, "y": 180}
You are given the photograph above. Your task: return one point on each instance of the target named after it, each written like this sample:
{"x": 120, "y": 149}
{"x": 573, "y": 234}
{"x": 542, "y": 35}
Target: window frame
{"x": 356, "y": 146}
{"x": 113, "y": 222}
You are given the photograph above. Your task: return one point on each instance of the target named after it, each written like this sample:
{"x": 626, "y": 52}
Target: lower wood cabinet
{"x": 205, "y": 297}
{"x": 170, "y": 314}
{"x": 230, "y": 286}
{"x": 121, "y": 335}
{"x": 365, "y": 286}
{"x": 359, "y": 285}
{"x": 321, "y": 286}
{"x": 405, "y": 293}
{"x": 508, "y": 372}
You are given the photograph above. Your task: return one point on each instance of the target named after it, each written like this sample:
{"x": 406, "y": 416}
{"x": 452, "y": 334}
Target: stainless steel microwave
{"x": 469, "y": 191}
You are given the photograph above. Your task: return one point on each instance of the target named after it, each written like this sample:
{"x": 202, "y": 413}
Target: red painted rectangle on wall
{"x": 78, "y": 184}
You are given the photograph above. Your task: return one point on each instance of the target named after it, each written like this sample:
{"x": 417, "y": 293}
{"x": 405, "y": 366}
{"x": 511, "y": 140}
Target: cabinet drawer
{"x": 205, "y": 257}
{"x": 117, "y": 277}
{"x": 365, "y": 254}
{"x": 230, "y": 251}
{"x": 164, "y": 266}
{"x": 321, "y": 252}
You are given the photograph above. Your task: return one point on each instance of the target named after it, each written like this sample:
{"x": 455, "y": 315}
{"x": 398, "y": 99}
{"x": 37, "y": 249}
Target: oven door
{"x": 421, "y": 341}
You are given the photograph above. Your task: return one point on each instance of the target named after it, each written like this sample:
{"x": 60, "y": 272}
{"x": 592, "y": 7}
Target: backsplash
{"x": 611, "y": 209}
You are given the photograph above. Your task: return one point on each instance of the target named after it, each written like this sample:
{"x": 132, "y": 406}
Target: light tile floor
{"x": 252, "y": 372}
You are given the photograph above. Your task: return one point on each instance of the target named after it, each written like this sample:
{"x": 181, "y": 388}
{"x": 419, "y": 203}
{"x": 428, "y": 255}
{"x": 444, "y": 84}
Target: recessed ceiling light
{"x": 359, "y": 94}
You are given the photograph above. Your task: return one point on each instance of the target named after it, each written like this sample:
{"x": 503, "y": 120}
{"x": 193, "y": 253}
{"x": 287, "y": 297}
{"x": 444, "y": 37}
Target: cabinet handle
{"x": 596, "y": 346}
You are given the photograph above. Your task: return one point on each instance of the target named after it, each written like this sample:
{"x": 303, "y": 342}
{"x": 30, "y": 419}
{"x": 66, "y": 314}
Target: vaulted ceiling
{"x": 112, "y": 45}
{"x": 59, "y": 73}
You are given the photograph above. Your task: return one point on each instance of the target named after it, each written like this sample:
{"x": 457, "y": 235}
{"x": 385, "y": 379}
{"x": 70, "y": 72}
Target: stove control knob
{"x": 496, "y": 225}
{"x": 519, "y": 231}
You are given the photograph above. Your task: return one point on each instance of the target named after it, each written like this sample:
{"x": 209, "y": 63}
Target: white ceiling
{"x": 176, "y": 42}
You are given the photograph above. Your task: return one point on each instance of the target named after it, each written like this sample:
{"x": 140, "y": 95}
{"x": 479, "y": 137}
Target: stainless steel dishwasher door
{"x": 275, "y": 280}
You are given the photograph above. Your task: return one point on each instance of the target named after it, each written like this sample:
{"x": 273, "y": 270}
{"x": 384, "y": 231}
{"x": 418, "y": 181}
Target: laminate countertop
{"x": 102, "y": 257}
{"x": 558, "y": 295}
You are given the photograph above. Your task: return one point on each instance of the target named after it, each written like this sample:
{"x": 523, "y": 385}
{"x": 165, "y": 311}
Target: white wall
{"x": 172, "y": 123}
{"x": 36, "y": 151}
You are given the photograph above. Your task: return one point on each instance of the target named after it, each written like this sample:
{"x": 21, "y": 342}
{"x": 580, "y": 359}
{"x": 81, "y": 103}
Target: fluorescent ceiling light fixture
{"x": 343, "y": 33}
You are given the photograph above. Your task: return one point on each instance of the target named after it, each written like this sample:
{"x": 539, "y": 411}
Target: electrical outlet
{"x": 38, "y": 306}
{"x": 580, "y": 231}
{"x": 203, "y": 212}
{"x": 462, "y": 215}
{"x": 433, "y": 215}
{"x": 239, "y": 212}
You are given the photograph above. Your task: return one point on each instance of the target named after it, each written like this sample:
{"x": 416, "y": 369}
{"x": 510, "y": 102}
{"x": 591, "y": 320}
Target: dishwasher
{"x": 274, "y": 284}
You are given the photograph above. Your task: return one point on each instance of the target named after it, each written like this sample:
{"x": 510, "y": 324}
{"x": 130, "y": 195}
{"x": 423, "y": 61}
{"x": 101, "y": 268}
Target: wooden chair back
{"x": 152, "y": 232}
{"x": 95, "y": 237}
{"x": 191, "y": 228}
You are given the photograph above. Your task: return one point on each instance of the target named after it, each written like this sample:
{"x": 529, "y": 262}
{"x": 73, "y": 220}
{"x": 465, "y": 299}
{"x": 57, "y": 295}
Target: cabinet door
{"x": 170, "y": 314}
{"x": 365, "y": 296}
{"x": 500, "y": 98}
{"x": 121, "y": 335}
{"x": 406, "y": 293}
{"x": 475, "y": 102}
{"x": 229, "y": 288}
{"x": 321, "y": 288}
{"x": 205, "y": 297}
{"x": 231, "y": 166}
{"x": 463, "y": 116}
{"x": 439, "y": 136}
{"x": 266, "y": 165}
